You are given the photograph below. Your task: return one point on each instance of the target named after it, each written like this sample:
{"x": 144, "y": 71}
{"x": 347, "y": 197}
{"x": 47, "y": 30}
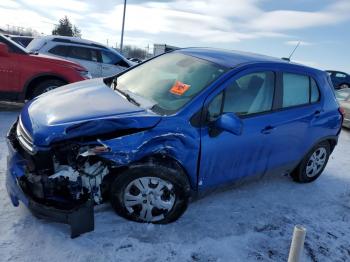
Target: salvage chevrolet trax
{"x": 178, "y": 124}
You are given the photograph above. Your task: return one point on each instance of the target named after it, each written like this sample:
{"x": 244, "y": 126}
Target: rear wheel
{"x": 46, "y": 86}
{"x": 343, "y": 86}
{"x": 150, "y": 194}
{"x": 313, "y": 164}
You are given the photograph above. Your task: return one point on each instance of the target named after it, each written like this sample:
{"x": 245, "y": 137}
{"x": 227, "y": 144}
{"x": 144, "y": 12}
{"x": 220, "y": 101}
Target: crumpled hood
{"x": 82, "y": 109}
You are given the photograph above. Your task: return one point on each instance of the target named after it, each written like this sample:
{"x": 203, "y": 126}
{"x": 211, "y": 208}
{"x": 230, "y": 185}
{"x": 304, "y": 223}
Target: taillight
{"x": 342, "y": 111}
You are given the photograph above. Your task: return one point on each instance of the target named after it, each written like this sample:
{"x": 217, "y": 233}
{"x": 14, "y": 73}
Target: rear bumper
{"x": 80, "y": 218}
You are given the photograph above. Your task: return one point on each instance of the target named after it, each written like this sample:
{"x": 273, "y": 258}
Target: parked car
{"x": 171, "y": 127}
{"x": 25, "y": 75}
{"x": 343, "y": 97}
{"x": 135, "y": 60}
{"x": 98, "y": 59}
{"x": 21, "y": 40}
{"x": 340, "y": 80}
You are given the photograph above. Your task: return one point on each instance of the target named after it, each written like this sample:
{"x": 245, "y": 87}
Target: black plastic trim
{"x": 80, "y": 219}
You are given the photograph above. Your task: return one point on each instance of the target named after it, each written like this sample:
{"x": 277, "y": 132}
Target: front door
{"x": 9, "y": 72}
{"x": 112, "y": 63}
{"x": 225, "y": 156}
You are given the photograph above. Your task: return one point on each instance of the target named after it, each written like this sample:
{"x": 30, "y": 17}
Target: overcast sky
{"x": 271, "y": 27}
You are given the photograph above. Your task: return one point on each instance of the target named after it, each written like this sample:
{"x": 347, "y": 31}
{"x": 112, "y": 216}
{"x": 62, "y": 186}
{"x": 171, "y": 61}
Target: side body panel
{"x": 9, "y": 73}
{"x": 294, "y": 132}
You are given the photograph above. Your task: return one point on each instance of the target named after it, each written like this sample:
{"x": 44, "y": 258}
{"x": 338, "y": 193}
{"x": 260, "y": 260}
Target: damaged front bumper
{"x": 80, "y": 218}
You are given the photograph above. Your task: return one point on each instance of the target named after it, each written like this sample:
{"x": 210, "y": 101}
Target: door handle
{"x": 317, "y": 113}
{"x": 267, "y": 129}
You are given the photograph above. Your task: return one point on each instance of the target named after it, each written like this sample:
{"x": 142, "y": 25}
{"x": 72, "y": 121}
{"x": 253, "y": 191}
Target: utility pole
{"x": 122, "y": 36}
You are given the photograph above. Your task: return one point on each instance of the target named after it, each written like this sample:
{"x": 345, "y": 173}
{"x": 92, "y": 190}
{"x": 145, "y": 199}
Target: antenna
{"x": 291, "y": 54}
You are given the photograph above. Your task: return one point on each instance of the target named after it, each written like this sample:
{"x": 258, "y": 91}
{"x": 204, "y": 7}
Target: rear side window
{"x": 340, "y": 75}
{"x": 59, "y": 50}
{"x": 83, "y": 53}
{"x": 299, "y": 90}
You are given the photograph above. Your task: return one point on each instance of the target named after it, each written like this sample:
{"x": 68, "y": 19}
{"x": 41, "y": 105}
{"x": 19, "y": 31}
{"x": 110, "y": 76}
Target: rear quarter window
{"x": 299, "y": 90}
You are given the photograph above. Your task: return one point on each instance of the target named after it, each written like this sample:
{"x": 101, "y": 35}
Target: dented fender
{"x": 170, "y": 138}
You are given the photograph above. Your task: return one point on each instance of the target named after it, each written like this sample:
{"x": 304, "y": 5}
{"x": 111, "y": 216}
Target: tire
{"x": 46, "y": 86}
{"x": 343, "y": 86}
{"x": 168, "y": 204}
{"x": 313, "y": 164}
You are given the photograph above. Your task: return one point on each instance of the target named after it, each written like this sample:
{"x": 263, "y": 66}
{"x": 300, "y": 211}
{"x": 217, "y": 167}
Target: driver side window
{"x": 112, "y": 59}
{"x": 250, "y": 94}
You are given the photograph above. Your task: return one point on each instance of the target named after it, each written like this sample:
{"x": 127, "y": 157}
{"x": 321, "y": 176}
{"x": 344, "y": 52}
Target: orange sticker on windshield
{"x": 179, "y": 88}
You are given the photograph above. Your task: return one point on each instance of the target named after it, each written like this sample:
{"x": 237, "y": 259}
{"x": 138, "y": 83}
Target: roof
{"x": 230, "y": 59}
{"x": 70, "y": 38}
{"x": 37, "y": 42}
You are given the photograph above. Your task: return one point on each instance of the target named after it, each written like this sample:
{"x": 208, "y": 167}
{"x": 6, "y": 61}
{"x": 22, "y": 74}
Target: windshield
{"x": 13, "y": 43}
{"x": 169, "y": 81}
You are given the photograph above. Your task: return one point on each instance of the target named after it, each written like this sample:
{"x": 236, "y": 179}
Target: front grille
{"x": 24, "y": 137}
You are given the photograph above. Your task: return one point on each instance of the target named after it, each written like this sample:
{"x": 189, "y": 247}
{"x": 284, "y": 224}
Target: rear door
{"x": 85, "y": 56}
{"x": 227, "y": 157}
{"x": 295, "y": 124}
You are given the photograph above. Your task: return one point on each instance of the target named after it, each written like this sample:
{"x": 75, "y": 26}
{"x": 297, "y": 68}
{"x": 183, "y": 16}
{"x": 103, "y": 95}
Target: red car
{"x": 24, "y": 75}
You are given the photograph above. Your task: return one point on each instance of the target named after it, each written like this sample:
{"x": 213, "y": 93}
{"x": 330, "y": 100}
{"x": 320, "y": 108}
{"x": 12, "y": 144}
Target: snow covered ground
{"x": 251, "y": 222}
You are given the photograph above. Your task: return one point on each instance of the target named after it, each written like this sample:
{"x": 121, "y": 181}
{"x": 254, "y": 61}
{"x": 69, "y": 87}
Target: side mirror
{"x": 4, "y": 50}
{"x": 229, "y": 122}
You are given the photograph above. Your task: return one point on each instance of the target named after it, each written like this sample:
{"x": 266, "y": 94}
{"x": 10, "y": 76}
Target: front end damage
{"x": 62, "y": 183}
{"x": 70, "y": 143}
{"x": 63, "y": 179}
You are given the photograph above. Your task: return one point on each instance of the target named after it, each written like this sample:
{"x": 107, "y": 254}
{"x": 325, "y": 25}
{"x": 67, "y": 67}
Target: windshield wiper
{"x": 126, "y": 95}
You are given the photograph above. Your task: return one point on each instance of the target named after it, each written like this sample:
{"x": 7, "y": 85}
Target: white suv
{"x": 100, "y": 60}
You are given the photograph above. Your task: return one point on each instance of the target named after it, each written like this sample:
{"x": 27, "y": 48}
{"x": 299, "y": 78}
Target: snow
{"x": 250, "y": 222}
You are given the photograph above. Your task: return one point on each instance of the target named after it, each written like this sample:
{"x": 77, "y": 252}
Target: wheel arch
{"x": 344, "y": 83}
{"x": 332, "y": 141}
{"x": 35, "y": 80}
{"x": 152, "y": 160}
{"x": 166, "y": 161}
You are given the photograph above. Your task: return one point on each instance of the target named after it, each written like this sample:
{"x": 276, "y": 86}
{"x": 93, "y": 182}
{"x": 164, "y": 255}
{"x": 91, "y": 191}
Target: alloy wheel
{"x": 316, "y": 162}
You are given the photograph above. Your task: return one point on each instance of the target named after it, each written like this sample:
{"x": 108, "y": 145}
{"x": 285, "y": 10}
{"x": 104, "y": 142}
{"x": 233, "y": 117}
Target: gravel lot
{"x": 248, "y": 223}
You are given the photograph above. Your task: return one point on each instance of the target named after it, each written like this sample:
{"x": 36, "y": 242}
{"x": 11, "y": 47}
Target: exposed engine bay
{"x": 67, "y": 175}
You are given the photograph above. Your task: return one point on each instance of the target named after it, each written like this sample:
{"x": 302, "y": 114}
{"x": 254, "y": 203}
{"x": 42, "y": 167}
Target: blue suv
{"x": 152, "y": 137}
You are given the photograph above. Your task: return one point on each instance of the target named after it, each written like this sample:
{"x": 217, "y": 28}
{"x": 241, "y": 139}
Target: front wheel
{"x": 150, "y": 194}
{"x": 313, "y": 164}
{"x": 46, "y": 86}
